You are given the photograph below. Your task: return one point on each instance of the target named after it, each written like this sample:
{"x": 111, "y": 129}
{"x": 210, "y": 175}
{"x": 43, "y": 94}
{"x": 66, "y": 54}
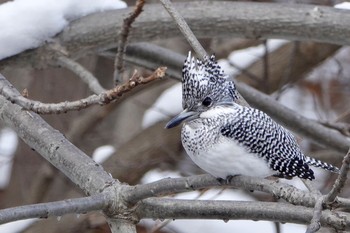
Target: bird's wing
{"x": 260, "y": 135}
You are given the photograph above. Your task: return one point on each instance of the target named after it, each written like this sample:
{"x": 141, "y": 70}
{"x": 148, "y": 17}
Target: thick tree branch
{"x": 163, "y": 208}
{"x": 53, "y": 146}
{"x": 75, "y": 164}
{"x": 58, "y": 208}
{"x": 176, "y": 185}
{"x": 244, "y": 19}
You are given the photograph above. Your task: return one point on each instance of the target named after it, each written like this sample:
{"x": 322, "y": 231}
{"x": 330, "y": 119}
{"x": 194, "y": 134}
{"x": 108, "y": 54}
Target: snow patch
{"x": 102, "y": 153}
{"x": 168, "y": 104}
{"x": 241, "y": 59}
{"x": 343, "y": 5}
{"x": 17, "y": 226}
{"x": 8, "y": 146}
{"x": 28, "y": 24}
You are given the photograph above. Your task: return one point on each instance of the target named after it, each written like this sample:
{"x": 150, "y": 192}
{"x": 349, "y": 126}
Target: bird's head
{"x": 204, "y": 86}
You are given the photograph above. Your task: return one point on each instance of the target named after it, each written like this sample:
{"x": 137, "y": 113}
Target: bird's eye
{"x": 207, "y": 101}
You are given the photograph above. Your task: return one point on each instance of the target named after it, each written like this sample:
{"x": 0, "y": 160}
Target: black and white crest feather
{"x": 202, "y": 78}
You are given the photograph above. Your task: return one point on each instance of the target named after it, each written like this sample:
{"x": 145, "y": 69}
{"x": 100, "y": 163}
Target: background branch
{"x": 81, "y": 72}
{"x": 245, "y": 19}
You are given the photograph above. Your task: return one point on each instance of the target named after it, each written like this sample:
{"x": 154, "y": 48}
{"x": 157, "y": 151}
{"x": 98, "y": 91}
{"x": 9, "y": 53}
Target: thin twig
{"x": 83, "y": 73}
{"x": 103, "y": 98}
{"x": 158, "y": 227}
{"x": 246, "y": 72}
{"x": 184, "y": 28}
{"x": 310, "y": 186}
{"x": 343, "y": 128}
{"x": 266, "y": 67}
{"x": 315, "y": 223}
{"x": 340, "y": 182}
{"x": 119, "y": 59}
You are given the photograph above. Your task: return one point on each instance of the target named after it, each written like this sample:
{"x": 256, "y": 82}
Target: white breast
{"x": 227, "y": 158}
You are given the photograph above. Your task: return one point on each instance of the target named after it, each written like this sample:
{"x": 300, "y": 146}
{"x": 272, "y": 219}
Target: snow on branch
{"x": 244, "y": 20}
{"x": 26, "y": 25}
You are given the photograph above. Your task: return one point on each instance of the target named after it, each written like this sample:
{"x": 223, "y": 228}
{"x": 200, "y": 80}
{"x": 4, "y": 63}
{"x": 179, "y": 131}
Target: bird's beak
{"x": 185, "y": 115}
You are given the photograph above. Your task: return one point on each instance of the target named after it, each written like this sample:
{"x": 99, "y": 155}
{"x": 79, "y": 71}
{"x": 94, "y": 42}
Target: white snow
{"x": 245, "y": 57}
{"x": 301, "y": 100}
{"x": 8, "y": 146}
{"x": 102, "y": 153}
{"x": 167, "y": 105}
{"x": 343, "y": 5}
{"x": 17, "y": 226}
{"x": 28, "y": 24}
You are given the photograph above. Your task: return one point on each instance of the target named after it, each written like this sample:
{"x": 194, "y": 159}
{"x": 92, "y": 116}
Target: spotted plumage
{"x": 227, "y": 139}
{"x": 205, "y": 79}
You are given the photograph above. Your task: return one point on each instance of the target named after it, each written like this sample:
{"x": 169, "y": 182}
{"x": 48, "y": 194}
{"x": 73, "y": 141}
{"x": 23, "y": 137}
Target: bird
{"x": 227, "y": 139}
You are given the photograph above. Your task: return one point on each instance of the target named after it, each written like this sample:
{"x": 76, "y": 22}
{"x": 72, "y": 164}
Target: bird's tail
{"x": 321, "y": 164}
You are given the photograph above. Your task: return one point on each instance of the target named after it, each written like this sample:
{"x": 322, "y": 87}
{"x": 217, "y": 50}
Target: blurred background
{"x": 128, "y": 137}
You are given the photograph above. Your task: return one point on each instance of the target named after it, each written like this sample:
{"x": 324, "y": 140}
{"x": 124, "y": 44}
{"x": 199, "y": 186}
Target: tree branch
{"x": 81, "y": 72}
{"x": 184, "y": 28}
{"x": 57, "y": 208}
{"x": 340, "y": 181}
{"x": 254, "y": 20}
{"x": 119, "y": 58}
{"x": 317, "y": 214}
{"x": 75, "y": 164}
{"x": 8, "y": 91}
{"x": 53, "y": 146}
{"x": 163, "y": 208}
{"x": 176, "y": 185}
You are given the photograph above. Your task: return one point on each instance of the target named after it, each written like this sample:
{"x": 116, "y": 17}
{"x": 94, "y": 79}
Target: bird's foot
{"x": 280, "y": 175}
{"x": 226, "y": 181}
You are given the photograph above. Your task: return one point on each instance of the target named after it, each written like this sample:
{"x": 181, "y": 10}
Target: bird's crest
{"x": 205, "y": 77}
